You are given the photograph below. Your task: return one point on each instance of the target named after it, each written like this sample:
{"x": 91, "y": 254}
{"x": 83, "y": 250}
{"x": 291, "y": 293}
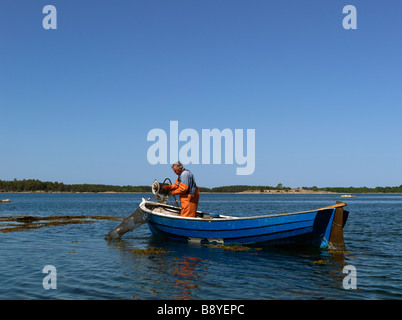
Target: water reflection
{"x": 171, "y": 270}
{"x": 187, "y": 277}
{"x": 331, "y": 264}
{"x": 161, "y": 269}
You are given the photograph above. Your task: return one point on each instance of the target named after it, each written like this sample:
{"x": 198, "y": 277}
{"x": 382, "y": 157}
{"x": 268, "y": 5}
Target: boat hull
{"x": 313, "y": 227}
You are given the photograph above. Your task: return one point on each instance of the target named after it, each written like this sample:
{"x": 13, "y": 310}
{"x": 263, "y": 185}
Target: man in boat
{"x": 186, "y": 187}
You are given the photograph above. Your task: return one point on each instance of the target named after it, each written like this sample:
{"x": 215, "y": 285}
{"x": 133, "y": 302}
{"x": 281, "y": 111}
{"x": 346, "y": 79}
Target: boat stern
{"x": 333, "y": 236}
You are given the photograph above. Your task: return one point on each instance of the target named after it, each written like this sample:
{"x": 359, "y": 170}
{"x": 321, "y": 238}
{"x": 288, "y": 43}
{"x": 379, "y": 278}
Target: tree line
{"x": 363, "y": 189}
{"x": 32, "y": 185}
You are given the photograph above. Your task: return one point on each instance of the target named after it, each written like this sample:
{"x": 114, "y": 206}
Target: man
{"x": 186, "y": 187}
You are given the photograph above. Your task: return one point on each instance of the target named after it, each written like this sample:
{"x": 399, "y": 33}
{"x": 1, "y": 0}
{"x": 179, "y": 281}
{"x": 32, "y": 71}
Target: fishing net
{"x": 129, "y": 224}
{"x": 137, "y": 219}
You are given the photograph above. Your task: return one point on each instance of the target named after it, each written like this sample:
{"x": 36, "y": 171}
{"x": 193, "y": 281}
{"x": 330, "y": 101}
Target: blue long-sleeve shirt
{"x": 187, "y": 178}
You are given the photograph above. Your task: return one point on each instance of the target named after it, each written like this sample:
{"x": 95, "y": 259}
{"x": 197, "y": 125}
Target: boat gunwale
{"x": 224, "y": 217}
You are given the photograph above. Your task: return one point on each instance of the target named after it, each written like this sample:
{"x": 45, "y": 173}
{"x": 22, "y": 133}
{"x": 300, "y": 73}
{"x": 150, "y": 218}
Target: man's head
{"x": 177, "y": 167}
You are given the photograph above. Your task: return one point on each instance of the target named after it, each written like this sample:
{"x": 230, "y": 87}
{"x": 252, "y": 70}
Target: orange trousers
{"x": 189, "y": 203}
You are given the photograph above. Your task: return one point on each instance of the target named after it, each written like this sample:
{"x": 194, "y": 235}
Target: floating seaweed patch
{"x": 232, "y": 248}
{"x": 339, "y": 252}
{"x": 149, "y": 251}
{"x": 24, "y": 223}
{"x": 322, "y": 262}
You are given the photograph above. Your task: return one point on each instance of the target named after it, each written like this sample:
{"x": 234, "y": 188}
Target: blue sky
{"x": 78, "y": 102}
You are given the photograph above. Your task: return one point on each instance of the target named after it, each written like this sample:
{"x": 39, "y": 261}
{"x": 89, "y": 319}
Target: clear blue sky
{"x": 78, "y": 102}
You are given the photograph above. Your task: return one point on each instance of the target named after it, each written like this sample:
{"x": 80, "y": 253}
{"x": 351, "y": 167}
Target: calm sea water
{"x": 88, "y": 267}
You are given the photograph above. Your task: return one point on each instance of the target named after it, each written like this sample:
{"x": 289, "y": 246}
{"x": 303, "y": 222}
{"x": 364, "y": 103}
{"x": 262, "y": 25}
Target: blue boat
{"x": 321, "y": 227}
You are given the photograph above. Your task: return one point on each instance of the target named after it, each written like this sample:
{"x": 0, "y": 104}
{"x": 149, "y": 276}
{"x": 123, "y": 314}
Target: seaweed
{"x": 24, "y": 223}
{"x": 322, "y": 262}
{"x": 149, "y": 251}
{"x": 232, "y": 248}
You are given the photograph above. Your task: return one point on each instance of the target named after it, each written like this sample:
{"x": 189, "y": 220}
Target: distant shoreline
{"x": 287, "y": 191}
{"x": 37, "y": 186}
{"x": 273, "y": 192}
